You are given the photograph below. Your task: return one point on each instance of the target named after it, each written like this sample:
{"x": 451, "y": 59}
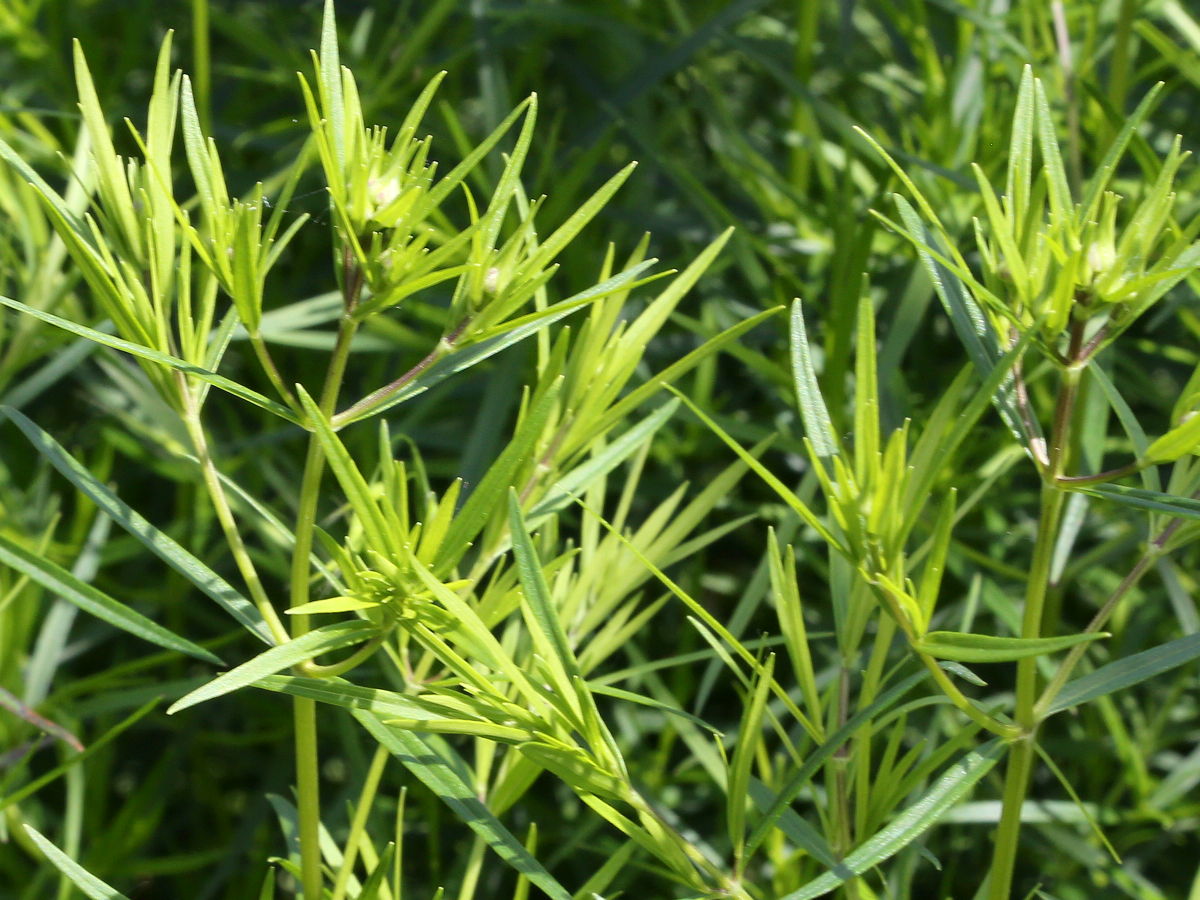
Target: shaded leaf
{"x": 94, "y": 602}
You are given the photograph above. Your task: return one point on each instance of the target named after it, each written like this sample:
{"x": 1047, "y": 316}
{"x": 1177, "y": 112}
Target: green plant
{"x": 504, "y": 585}
{"x": 424, "y": 578}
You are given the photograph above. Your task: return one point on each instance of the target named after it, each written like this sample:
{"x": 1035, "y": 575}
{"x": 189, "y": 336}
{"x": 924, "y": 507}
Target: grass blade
{"x": 1127, "y": 672}
{"x": 306, "y": 647}
{"x": 92, "y": 886}
{"x": 94, "y": 602}
{"x": 143, "y": 352}
{"x": 910, "y": 824}
{"x": 156, "y": 541}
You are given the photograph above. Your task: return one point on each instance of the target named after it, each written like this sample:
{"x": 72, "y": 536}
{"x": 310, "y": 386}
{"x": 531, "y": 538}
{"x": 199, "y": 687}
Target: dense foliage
{"x": 401, "y": 495}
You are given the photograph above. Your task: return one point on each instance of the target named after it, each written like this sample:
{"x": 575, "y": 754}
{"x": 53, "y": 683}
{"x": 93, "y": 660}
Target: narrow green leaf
{"x": 790, "y": 611}
{"x": 783, "y": 491}
{"x": 985, "y": 648}
{"x": 110, "y": 183}
{"x": 488, "y": 494}
{"x": 974, "y": 330}
{"x": 509, "y": 180}
{"x": 935, "y": 564}
{"x": 795, "y": 826}
{"x": 1108, "y": 166}
{"x": 537, "y": 592}
{"x": 575, "y": 482}
{"x": 813, "y": 413}
{"x": 1180, "y": 440}
{"x": 795, "y": 784}
{"x": 92, "y": 601}
{"x": 354, "y": 485}
{"x": 156, "y": 541}
{"x": 1004, "y": 230}
{"x": 341, "y": 693}
{"x": 866, "y": 395}
{"x": 748, "y": 742}
{"x": 1123, "y": 673}
{"x": 460, "y": 360}
{"x": 373, "y": 888}
{"x": 440, "y": 191}
{"x": 92, "y": 886}
{"x": 143, "y": 352}
{"x": 1052, "y": 163}
{"x": 1138, "y": 498}
{"x": 437, "y": 767}
{"x": 50, "y": 196}
{"x": 301, "y": 649}
{"x": 331, "y": 605}
{"x": 549, "y": 249}
{"x": 958, "y": 781}
{"x": 332, "y": 100}
{"x": 1020, "y": 150}
{"x": 636, "y": 397}
{"x": 196, "y": 151}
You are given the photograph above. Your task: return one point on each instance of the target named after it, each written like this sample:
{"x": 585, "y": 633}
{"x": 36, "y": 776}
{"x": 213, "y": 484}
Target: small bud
{"x": 382, "y": 191}
{"x": 1100, "y": 257}
{"x": 491, "y": 281}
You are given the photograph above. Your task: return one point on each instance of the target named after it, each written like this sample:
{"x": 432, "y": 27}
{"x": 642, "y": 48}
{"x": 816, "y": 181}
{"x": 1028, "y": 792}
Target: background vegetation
{"x": 739, "y": 114}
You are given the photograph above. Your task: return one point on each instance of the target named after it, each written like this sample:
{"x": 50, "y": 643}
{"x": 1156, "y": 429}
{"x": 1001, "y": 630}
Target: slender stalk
{"x": 216, "y": 493}
{"x": 308, "y": 797}
{"x": 444, "y": 346}
{"x": 1140, "y": 568}
{"x": 1102, "y": 477}
{"x": 365, "y": 799}
{"x": 1022, "y": 751}
{"x": 313, "y": 670}
{"x": 959, "y": 699}
{"x": 268, "y": 364}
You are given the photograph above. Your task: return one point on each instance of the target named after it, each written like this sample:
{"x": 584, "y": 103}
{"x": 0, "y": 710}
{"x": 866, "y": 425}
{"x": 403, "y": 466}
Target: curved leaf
{"x": 910, "y": 824}
{"x": 164, "y": 359}
{"x": 157, "y": 542}
{"x": 985, "y": 648}
{"x": 83, "y": 879}
{"x": 94, "y": 602}
{"x": 307, "y": 646}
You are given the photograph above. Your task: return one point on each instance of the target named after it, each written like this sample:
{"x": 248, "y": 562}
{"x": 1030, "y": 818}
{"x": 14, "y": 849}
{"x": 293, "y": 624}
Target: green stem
{"x": 376, "y": 398}
{"x": 313, "y": 670}
{"x": 216, "y": 493}
{"x": 1022, "y": 751}
{"x": 308, "y": 797}
{"x": 268, "y": 364}
{"x": 1140, "y": 568}
{"x": 358, "y": 825}
{"x": 959, "y": 699}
